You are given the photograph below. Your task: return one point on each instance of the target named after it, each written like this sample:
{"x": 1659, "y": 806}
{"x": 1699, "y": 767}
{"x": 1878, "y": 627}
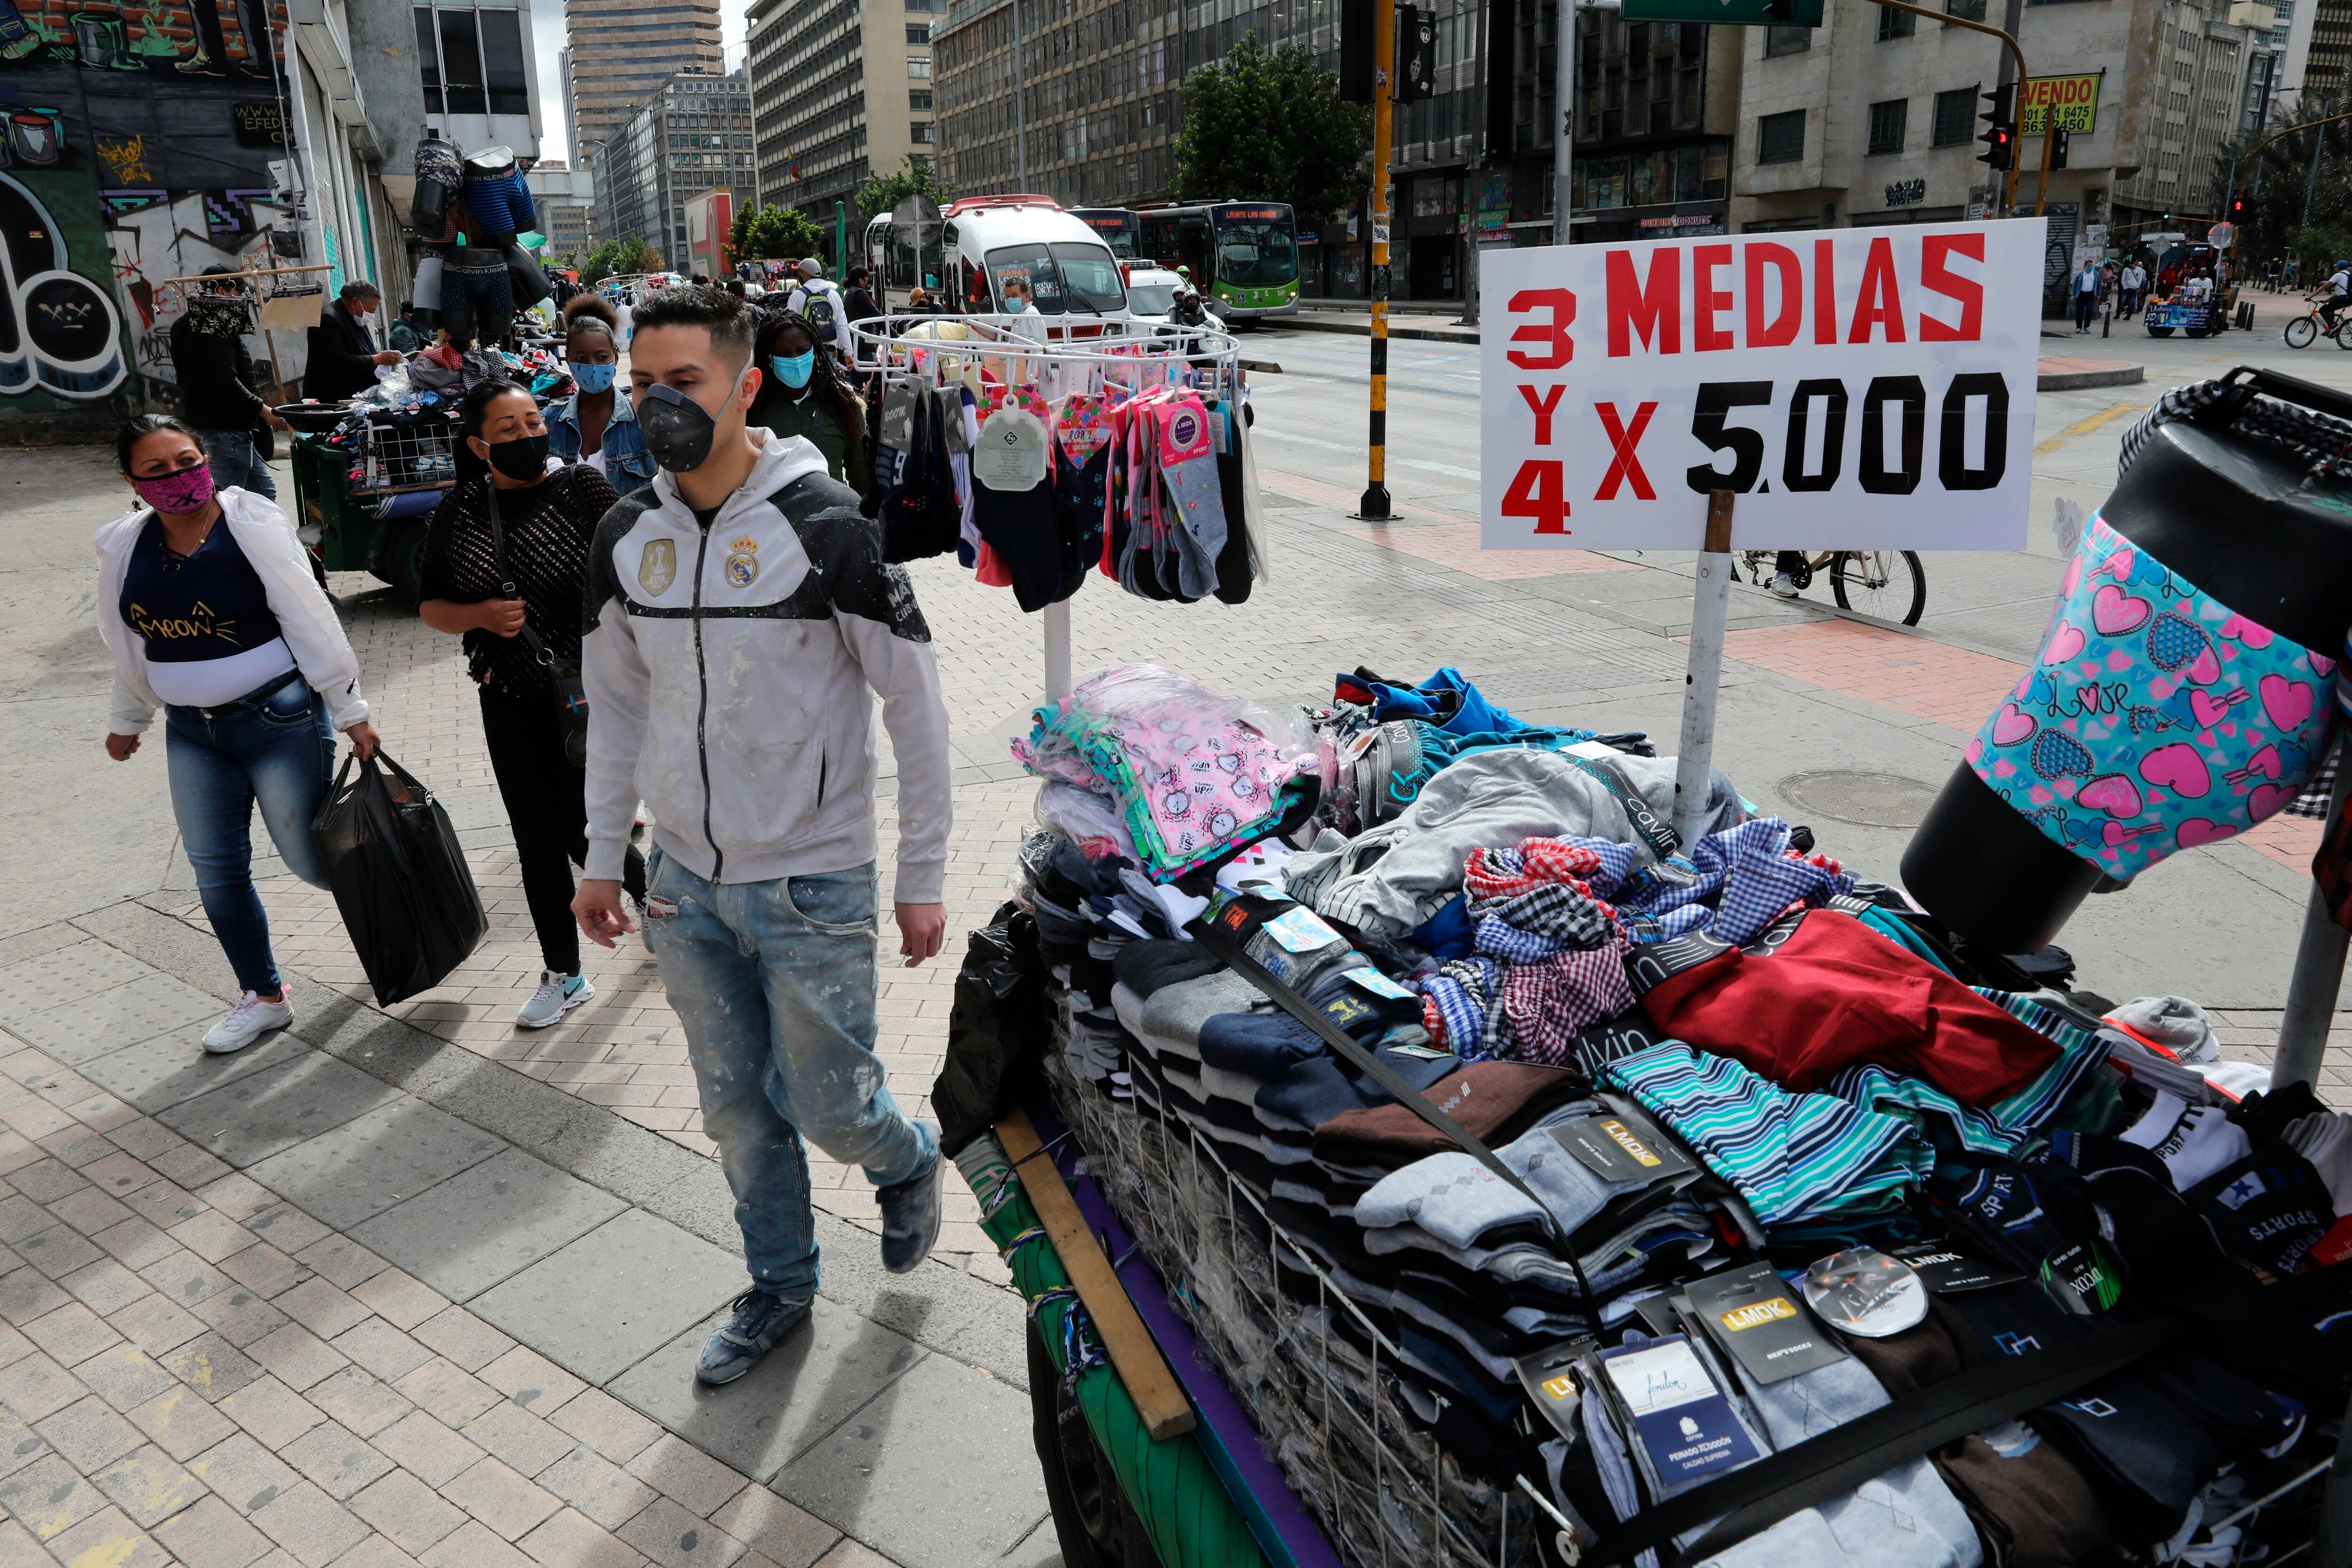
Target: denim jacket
{"x": 628, "y": 462}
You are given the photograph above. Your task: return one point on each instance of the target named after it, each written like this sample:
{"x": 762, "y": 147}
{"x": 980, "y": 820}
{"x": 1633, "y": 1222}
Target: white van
{"x": 986, "y": 242}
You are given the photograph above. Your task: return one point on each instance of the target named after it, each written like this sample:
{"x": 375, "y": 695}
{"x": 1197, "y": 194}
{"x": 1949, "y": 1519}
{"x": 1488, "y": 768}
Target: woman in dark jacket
{"x": 547, "y": 514}
{"x": 801, "y": 395}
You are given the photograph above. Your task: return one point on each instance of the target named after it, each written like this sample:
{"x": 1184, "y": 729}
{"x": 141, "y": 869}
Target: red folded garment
{"x": 1836, "y": 992}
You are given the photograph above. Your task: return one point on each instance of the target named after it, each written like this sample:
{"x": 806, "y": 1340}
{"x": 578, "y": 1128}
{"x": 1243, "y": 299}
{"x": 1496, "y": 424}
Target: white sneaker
{"x": 247, "y": 1022}
{"x": 1784, "y": 584}
{"x": 557, "y": 994}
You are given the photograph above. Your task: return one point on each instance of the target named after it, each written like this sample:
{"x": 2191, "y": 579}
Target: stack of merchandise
{"x": 1773, "y": 1148}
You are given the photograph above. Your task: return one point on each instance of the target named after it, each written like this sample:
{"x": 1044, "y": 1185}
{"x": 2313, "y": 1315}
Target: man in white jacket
{"x": 741, "y": 617}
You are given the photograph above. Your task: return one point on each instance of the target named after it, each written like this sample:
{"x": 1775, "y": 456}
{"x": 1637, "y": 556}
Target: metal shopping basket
{"x": 397, "y": 459}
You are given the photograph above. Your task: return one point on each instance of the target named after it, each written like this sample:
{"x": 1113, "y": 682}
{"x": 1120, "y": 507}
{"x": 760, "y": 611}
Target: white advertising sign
{"x": 1857, "y": 388}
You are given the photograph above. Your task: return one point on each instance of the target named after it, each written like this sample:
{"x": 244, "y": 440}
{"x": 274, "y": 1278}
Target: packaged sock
{"x": 1188, "y": 472}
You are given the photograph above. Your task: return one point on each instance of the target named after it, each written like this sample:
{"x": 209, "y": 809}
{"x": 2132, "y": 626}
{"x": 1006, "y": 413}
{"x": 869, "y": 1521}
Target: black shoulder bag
{"x": 562, "y": 674}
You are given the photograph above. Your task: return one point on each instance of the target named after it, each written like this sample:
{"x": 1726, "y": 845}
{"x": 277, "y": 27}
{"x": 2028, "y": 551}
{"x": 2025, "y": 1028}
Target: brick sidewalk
{"x": 195, "y": 1370}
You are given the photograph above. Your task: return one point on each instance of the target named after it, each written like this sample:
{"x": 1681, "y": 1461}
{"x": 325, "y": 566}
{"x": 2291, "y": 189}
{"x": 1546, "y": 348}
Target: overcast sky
{"x": 547, "y": 32}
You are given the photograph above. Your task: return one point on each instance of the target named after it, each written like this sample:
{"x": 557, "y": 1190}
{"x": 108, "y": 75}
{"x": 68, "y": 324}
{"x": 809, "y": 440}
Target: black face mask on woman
{"x": 524, "y": 457}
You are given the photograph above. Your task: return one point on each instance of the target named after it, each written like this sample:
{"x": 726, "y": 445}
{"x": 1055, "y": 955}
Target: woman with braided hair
{"x": 802, "y": 393}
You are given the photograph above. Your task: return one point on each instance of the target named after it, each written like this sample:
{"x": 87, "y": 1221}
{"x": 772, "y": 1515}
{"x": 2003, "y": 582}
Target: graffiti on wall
{"x": 201, "y": 38}
{"x": 137, "y": 140}
{"x": 155, "y": 235}
{"x": 60, "y": 335}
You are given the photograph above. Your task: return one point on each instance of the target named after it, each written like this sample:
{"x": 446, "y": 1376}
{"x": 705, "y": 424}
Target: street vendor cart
{"x": 1352, "y": 1231}
{"x": 2197, "y": 318}
{"x": 363, "y": 490}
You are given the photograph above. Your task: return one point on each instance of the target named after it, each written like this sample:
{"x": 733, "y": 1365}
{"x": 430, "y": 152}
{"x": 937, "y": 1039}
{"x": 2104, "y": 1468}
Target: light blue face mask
{"x": 593, "y": 377}
{"x": 794, "y": 370}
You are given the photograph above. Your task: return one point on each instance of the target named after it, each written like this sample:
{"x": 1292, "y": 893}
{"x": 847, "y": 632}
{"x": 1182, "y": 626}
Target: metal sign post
{"x": 1710, "y": 608}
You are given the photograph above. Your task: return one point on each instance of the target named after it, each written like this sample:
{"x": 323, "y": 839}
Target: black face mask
{"x": 678, "y": 430}
{"x": 524, "y": 457}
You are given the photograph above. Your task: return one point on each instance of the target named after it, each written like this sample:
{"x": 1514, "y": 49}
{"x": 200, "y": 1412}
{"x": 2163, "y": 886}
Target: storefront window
{"x": 1651, "y": 182}
{"x": 1608, "y": 183}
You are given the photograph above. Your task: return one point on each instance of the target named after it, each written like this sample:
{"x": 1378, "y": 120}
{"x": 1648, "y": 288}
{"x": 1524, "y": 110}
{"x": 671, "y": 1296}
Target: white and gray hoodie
{"x": 727, "y": 672}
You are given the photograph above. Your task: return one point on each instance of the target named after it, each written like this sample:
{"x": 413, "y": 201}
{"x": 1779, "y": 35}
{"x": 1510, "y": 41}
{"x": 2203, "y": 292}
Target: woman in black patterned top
{"x": 547, "y": 511}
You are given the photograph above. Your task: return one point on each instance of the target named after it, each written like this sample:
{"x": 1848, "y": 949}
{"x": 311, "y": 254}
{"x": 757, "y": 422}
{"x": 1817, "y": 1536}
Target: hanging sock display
{"x": 1032, "y": 462}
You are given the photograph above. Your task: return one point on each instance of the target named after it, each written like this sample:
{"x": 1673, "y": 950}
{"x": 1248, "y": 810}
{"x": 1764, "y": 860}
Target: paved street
{"x": 411, "y": 1285}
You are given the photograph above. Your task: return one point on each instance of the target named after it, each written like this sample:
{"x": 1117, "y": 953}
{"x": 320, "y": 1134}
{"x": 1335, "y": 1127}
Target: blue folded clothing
{"x": 501, "y": 205}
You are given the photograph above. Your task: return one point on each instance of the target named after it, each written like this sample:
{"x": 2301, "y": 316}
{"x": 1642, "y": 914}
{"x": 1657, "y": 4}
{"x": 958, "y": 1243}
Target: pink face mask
{"x": 179, "y": 493}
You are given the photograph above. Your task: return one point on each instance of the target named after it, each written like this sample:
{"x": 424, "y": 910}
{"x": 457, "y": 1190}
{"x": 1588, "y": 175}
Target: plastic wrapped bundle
{"x": 1193, "y": 775}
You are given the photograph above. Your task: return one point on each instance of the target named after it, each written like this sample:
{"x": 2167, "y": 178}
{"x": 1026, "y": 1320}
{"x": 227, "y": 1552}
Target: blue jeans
{"x": 236, "y": 462}
{"x": 278, "y": 751}
{"x": 775, "y": 982}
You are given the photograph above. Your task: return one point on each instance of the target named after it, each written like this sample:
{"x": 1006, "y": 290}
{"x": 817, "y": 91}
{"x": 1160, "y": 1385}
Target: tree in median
{"x": 774, "y": 234}
{"x": 1271, "y": 126}
{"x": 616, "y": 257}
{"x": 921, "y": 178}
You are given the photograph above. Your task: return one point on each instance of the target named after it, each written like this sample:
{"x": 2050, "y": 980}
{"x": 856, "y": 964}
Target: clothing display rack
{"x": 1120, "y": 356}
{"x": 249, "y": 276}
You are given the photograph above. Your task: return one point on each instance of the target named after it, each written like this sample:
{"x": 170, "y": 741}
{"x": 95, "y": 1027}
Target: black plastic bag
{"x": 399, "y": 877}
{"x": 996, "y": 1026}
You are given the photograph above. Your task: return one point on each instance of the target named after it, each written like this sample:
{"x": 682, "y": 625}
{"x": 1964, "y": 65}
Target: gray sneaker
{"x": 557, "y": 994}
{"x": 910, "y": 1218}
{"x": 761, "y": 1319}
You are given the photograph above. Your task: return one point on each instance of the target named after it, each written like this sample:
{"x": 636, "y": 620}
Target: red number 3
{"x": 1561, "y": 303}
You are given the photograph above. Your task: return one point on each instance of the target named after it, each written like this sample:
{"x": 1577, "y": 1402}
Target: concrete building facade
{"x": 619, "y": 53}
{"x": 1872, "y": 119}
{"x": 566, "y": 200}
{"x": 840, "y": 90}
{"x": 692, "y": 137}
{"x": 1085, "y": 111}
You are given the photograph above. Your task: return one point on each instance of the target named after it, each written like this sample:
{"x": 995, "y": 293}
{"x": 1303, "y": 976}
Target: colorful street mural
{"x": 139, "y": 142}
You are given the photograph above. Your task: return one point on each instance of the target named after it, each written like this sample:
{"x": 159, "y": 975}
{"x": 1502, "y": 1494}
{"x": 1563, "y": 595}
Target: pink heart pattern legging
{"x": 2155, "y": 717}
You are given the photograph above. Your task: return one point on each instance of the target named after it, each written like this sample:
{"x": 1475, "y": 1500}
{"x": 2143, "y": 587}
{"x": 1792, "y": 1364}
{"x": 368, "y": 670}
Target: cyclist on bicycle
{"x": 2338, "y": 292}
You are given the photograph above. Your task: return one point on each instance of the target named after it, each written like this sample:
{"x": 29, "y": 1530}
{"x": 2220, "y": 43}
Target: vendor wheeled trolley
{"x": 362, "y": 502}
{"x": 2197, "y": 321}
{"x": 1739, "y": 1281}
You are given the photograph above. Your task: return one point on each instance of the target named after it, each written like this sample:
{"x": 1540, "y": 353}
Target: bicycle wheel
{"x": 2301, "y": 331}
{"x": 2343, "y": 333}
{"x": 1888, "y": 584}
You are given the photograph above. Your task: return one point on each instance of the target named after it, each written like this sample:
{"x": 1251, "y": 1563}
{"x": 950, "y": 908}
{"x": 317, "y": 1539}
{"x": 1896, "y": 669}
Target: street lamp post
{"x": 1564, "y": 101}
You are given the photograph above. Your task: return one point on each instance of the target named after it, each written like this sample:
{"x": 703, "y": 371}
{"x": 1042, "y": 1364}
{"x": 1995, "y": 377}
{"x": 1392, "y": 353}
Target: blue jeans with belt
{"x": 236, "y": 461}
{"x": 775, "y": 983}
{"x": 275, "y": 749}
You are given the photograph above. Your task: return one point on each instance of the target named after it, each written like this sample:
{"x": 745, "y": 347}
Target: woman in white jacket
{"x": 207, "y": 604}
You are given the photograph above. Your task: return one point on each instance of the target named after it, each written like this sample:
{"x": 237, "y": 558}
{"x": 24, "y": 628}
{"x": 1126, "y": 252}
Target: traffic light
{"x": 2000, "y": 131}
{"x": 2246, "y": 208}
{"x": 1416, "y": 52}
{"x": 1356, "y": 50}
{"x": 2059, "y": 137}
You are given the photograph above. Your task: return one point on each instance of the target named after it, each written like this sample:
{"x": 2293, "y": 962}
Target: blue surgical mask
{"x": 593, "y": 377}
{"x": 794, "y": 370}
{"x": 1014, "y": 305}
